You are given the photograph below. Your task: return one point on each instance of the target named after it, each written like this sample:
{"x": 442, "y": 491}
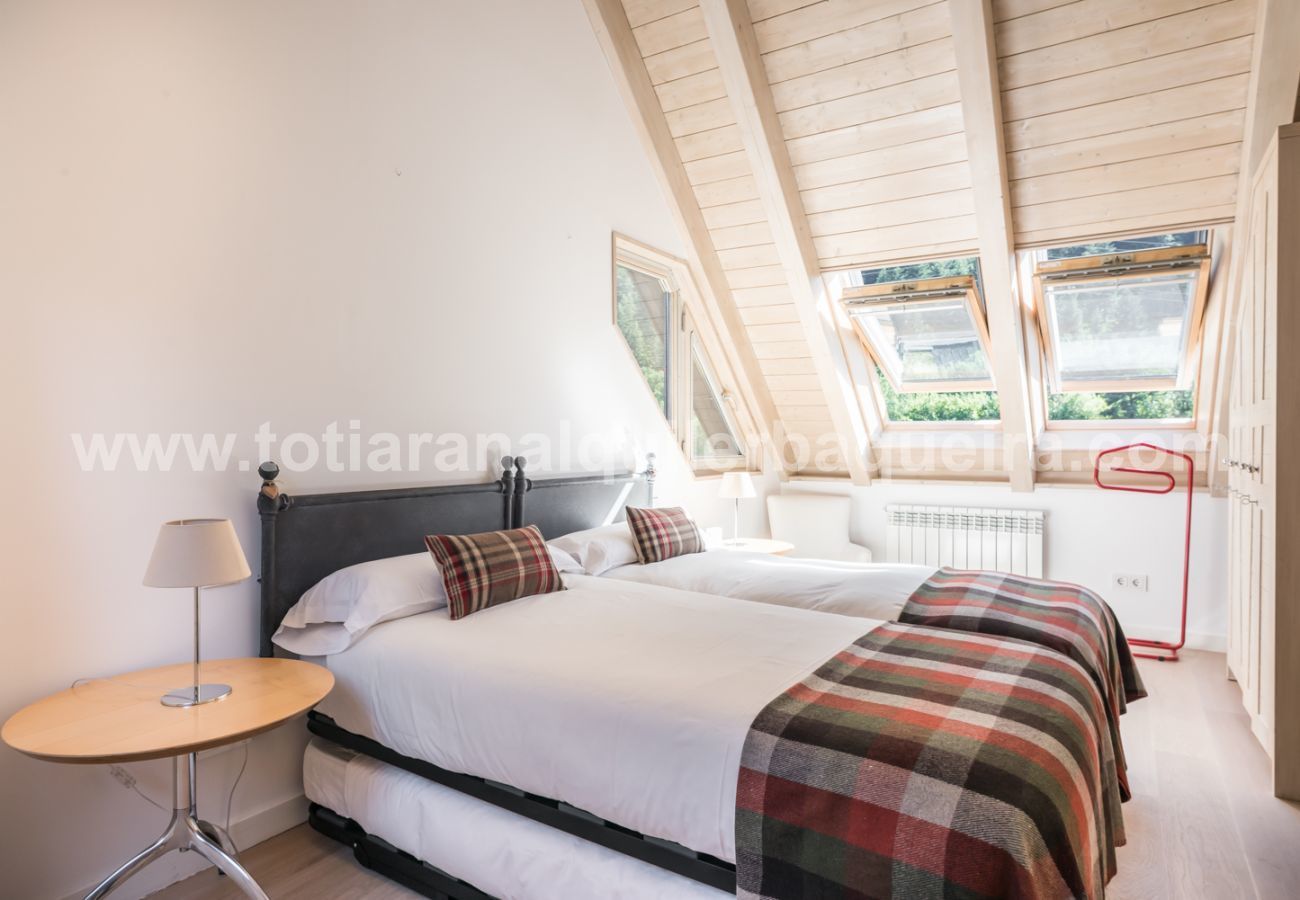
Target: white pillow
{"x": 598, "y": 550}
{"x": 563, "y": 561}
{"x": 335, "y": 612}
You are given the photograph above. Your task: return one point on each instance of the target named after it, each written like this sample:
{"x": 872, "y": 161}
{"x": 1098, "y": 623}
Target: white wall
{"x": 221, "y": 213}
{"x": 1091, "y": 535}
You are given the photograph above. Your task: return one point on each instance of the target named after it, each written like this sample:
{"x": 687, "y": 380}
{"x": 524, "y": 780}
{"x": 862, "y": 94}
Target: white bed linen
{"x": 629, "y": 701}
{"x": 869, "y": 590}
{"x": 506, "y": 855}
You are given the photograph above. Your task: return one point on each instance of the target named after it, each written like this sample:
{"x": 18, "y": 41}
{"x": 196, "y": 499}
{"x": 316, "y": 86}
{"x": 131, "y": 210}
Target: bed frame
{"x": 307, "y": 536}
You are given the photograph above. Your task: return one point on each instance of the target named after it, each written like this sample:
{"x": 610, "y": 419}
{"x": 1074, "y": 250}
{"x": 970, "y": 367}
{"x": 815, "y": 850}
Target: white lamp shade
{"x": 196, "y": 553}
{"x": 737, "y": 486}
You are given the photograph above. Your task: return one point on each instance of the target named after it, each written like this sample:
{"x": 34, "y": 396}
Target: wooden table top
{"x": 122, "y": 718}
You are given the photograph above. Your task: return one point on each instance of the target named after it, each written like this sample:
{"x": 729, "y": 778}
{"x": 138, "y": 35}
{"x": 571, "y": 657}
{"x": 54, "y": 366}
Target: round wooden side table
{"x": 123, "y": 719}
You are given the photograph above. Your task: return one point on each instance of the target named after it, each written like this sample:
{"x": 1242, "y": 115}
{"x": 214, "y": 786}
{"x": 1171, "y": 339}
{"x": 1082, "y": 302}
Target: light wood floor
{"x": 1202, "y": 825}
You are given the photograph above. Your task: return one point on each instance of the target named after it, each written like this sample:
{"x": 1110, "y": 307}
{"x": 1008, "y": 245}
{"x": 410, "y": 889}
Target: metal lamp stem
{"x": 197, "y": 692}
{"x": 735, "y": 522}
{"x": 197, "y": 591}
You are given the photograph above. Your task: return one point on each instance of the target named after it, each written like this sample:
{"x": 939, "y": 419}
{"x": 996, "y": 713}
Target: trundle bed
{"x": 621, "y": 739}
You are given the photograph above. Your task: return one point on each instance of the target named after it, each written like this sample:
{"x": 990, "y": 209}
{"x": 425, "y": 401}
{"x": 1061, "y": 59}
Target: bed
{"x": 867, "y": 590}
{"x": 1066, "y": 618}
{"x": 659, "y": 725}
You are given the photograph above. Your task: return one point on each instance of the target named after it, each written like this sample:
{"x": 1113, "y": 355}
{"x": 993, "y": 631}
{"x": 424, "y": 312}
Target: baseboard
{"x": 251, "y": 829}
{"x": 1201, "y": 641}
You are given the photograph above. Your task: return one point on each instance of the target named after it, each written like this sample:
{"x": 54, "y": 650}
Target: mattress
{"x": 498, "y": 852}
{"x": 868, "y": 590}
{"x": 626, "y": 700}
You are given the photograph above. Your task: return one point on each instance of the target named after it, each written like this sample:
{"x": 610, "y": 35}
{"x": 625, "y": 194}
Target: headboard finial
{"x": 507, "y": 481}
{"x": 269, "y": 495}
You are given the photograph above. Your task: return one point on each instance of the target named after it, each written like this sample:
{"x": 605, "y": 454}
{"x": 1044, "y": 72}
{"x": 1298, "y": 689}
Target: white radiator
{"x": 1003, "y": 540}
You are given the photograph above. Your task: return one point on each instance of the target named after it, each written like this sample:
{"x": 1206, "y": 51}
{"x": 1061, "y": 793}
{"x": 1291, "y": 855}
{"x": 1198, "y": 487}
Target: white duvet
{"x": 868, "y": 590}
{"x": 626, "y": 700}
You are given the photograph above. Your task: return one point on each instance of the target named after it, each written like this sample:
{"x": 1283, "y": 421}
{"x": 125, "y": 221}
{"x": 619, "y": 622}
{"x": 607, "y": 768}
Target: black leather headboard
{"x": 307, "y": 536}
{"x": 568, "y": 503}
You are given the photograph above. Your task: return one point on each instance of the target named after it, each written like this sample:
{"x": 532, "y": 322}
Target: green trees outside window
{"x": 642, "y": 310}
{"x": 982, "y": 406}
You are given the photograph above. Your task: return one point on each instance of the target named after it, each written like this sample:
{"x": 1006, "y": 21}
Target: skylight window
{"x": 1126, "y": 329}
{"x": 924, "y": 335}
{"x": 923, "y": 331}
{"x": 1122, "y": 321}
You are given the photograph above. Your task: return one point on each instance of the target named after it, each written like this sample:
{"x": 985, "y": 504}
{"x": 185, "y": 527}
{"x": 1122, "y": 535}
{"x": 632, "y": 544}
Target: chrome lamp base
{"x": 185, "y": 832}
{"x": 196, "y": 695}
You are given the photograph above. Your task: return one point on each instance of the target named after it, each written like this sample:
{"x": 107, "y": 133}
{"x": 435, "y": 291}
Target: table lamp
{"x": 196, "y": 553}
{"x": 737, "y": 486}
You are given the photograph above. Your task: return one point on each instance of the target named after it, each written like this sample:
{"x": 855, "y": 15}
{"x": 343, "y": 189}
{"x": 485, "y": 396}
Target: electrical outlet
{"x": 123, "y": 777}
{"x": 1129, "y": 582}
{"x": 1137, "y": 582}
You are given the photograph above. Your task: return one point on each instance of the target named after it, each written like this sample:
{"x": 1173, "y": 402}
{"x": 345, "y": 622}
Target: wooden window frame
{"x": 1108, "y": 267}
{"x": 693, "y": 346}
{"x": 929, "y": 290}
{"x": 690, "y": 328}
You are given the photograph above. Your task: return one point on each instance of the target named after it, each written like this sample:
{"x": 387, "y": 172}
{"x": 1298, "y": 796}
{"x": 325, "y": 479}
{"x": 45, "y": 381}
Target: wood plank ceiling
{"x": 1118, "y": 116}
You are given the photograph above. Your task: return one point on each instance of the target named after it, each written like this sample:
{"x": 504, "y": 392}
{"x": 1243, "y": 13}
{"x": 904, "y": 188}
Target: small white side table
{"x": 758, "y": 545}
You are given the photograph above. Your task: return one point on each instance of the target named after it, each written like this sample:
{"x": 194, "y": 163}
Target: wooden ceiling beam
{"x": 981, "y": 105}
{"x": 609, "y": 21}
{"x": 731, "y": 32}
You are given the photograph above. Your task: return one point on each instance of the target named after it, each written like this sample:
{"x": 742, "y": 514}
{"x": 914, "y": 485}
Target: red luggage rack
{"x": 1161, "y": 650}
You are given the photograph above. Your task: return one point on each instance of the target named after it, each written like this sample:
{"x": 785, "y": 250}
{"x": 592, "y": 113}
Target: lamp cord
{"x": 230, "y": 798}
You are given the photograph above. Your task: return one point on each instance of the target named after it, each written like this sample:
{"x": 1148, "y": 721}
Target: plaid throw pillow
{"x": 663, "y": 533}
{"x": 482, "y": 570}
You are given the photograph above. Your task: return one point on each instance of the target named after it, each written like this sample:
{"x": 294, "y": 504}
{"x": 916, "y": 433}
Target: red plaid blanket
{"x": 924, "y": 763}
{"x": 1063, "y": 617}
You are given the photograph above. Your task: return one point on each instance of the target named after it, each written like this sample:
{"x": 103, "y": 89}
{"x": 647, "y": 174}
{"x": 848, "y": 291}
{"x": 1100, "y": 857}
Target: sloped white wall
{"x": 225, "y": 212}
{"x": 1091, "y": 536}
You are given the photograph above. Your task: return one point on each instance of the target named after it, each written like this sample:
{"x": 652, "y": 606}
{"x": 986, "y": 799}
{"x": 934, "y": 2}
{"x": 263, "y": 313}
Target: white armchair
{"x": 817, "y": 525}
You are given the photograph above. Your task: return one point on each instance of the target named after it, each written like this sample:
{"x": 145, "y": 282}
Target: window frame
{"x": 689, "y": 328}
{"x": 693, "y": 346}
{"x": 670, "y": 335}
{"x": 929, "y": 290}
{"x": 1109, "y": 267}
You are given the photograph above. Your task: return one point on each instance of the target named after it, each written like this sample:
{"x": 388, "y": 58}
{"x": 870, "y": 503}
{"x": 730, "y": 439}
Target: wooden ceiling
{"x": 797, "y": 137}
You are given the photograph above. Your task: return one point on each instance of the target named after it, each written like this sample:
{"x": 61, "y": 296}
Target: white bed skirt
{"x": 498, "y": 852}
